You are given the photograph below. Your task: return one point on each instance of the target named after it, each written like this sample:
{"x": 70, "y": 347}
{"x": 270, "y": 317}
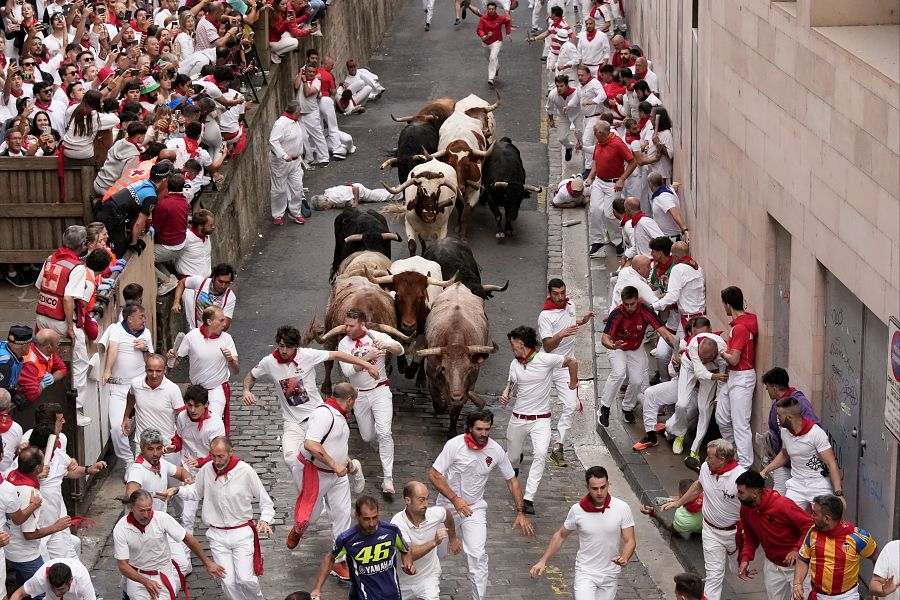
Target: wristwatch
{"x": 839, "y": 493}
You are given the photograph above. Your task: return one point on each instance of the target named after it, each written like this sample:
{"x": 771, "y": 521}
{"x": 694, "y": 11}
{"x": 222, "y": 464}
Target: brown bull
{"x": 435, "y": 112}
{"x": 456, "y": 332}
{"x": 353, "y": 292}
{"x": 359, "y": 263}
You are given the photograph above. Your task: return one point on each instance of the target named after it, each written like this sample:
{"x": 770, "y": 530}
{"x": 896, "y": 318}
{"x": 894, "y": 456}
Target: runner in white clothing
{"x": 374, "y": 406}
{"x": 593, "y": 46}
{"x": 532, "y": 374}
{"x": 199, "y": 293}
{"x": 557, "y": 326}
{"x": 348, "y": 195}
{"x": 425, "y": 529}
{"x": 141, "y": 545}
{"x": 460, "y": 475}
{"x": 603, "y": 523}
{"x": 721, "y": 512}
{"x": 155, "y": 400}
{"x": 59, "y": 579}
{"x": 293, "y": 369}
{"x": 564, "y": 112}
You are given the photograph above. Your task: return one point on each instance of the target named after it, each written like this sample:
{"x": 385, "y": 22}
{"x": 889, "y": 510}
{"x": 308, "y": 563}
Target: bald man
{"x": 645, "y": 228}
{"x": 41, "y": 365}
{"x": 642, "y": 72}
{"x": 613, "y": 164}
{"x": 686, "y": 290}
{"x": 634, "y": 273}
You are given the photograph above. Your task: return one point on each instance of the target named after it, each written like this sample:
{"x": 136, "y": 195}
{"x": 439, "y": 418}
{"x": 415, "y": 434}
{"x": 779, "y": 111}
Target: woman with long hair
{"x": 40, "y": 124}
{"x": 665, "y": 144}
{"x": 85, "y": 123}
{"x": 184, "y": 41}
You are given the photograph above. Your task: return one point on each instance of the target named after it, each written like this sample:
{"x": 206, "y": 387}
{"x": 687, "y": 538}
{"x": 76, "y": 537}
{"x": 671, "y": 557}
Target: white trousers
{"x": 338, "y": 141}
{"x": 539, "y": 432}
{"x": 334, "y": 492}
{"x": 601, "y": 215}
{"x": 472, "y": 531}
{"x": 630, "y": 364}
{"x": 287, "y": 186}
{"x": 563, "y": 125}
{"x": 286, "y": 44}
{"x": 595, "y": 586}
{"x": 315, "y": 148}
{"x": 424, "y": 589}
{"x": 706, "y": 395}
{"x": 848, "y": 595}
{"x": 137, "y": 591}
{"x": 374, "y": 411}
{"x": 804, "y": 491}
{"x": 292, "y": 436}
{"x": 552, "y": 59}
{"x": 189, "y": 508}
{"x": 61, "y": 544}
{"x": 570, "y": 401}
{"x": 233, "y": 549}
{"x": 663, "y": 356}
{"x": 588, "y": 138}
{"x": 719, "y": 551}
{"x": 686, "y": 408}
{"x": 734, "y": 410}
{"x": 369, "y": 78}
{"x": 79, "y": 355}
{"x": 362, "y": 96}
{"x": 428, "y": 7}
{"x": 181, "y": 555}
{"x": 655, "y": 396}
{"x": 493, "y": 54}
{"x": 217, "y": 401}
{"x": 116, "y": 411}
{"x": 537, "y": 19}
{"x": 780, "y": 581}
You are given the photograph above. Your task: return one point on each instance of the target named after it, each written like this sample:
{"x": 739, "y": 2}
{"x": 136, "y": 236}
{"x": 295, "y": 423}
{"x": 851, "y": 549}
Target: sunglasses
{"x": 28, "y": 64}
{"x": 87, "y": 60}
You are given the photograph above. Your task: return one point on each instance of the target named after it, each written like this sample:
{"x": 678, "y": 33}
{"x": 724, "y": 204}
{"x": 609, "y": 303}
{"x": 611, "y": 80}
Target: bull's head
{"x": 411, "y": 296}
{"x": 514, "y": 192}
{"x": 457, "y": 367}
{"x": 358, "y": 237}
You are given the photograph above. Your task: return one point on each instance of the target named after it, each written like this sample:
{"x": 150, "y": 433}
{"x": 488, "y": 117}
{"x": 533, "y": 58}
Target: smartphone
{"x": 178, "y": 114}
{"x": 46, "y": 129}
{"x": 128, "y": 15}
{"x": 290, "y": 13}
{"x": 133, "y": 72}
{"x": 14, "y": 61}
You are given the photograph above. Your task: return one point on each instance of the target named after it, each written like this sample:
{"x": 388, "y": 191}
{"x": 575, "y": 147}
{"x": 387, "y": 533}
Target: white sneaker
{"x": 352, "y": 149}
{"x": 275, "y": 58}
{"x": 601, "y": 253}
{"x": 388, "y": 486}
{"x": 82, "y": 420}
{"x": 167, "y": 286}
{"x": 357, "y": 479}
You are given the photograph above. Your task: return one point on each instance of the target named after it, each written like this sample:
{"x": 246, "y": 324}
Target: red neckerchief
{"x": 42, "y": 106}
{"x": 16, "y": 94}
{"x": 283, "y": 361}
{"x": 334, "y": 404}
{"x": 135, "y": 144}
{"x": 199, "y": 421}
{"x": 637, "y": 217}
{"x": 289, "y": 116}
{"x": 206, "y": 335}
{"x": 630, "y": 137}
{"x": 639, "y": 75}
{"x": 623, "y": 221}
{"x": 687, "y": 260}
{"x": 232, "y": 463}
{"x": 357, "y": 343}
{"x": 588, "y": 505}
{"x": 140, "y": 460}
{"x": 569, "y": 91}
{"x": 728, "y": 467}
{"x": 524, "y": 361}
{"x": 569, "y": 189}
{"x": 16, "y": 477}
{"x": 840, "y": 531}
{"x": 5, "y": 423}
{"x": 548, "y": 305}
{"x": 805, "y": 426}
{"x": 213, "y": 21}
{"x": 790, "y": 392}
{"x": 661, "y": 267}
{"x": 132, "y": 521}
{"x": 196, "y": 232}
{"x": 695, "y": 505}
{"x": 471, "y": 443}
{"x": 191, "y": 147}
{"x": 590, "y": 35}
{"x": 643, "y": 122}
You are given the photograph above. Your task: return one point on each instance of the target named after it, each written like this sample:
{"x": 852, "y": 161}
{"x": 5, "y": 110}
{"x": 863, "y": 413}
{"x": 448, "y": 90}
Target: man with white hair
{"x": 569, "y": 193}
{"x": 349, "y": 195}
{"x": 613, "y": 164}
{"x": 286, "y": 143}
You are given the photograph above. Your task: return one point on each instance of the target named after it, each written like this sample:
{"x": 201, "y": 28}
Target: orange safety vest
{"x": 33, "y": 356}
{"x": 53, "y": 285}
{"x": 129, "y": 177}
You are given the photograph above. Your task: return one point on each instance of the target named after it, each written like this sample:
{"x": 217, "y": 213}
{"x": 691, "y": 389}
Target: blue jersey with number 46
{"x": 372, "y": 560}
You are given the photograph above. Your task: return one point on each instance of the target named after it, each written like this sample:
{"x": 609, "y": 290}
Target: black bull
{"x": 503, "y": 181}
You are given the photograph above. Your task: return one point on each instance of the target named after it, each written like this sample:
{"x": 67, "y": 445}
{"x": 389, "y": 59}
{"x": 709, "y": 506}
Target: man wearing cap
{"x": 286, "y": 149}
{"x": 490, "y": 30}
{"x": 12, "y": 351}
{"x": 569, "y": 193}
{"x": 133, "y": 206}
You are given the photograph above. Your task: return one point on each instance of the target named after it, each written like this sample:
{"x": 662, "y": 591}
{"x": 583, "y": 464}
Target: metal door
{"x": 843, "y": 369}
{"x": 782, "y": 295}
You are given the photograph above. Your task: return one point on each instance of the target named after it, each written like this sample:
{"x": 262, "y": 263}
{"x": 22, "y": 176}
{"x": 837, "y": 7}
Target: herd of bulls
{"x": 446, "y": 157}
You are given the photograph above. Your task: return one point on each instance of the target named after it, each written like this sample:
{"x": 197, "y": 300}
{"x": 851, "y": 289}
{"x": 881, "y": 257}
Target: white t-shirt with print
{"x": 804, "y": 450}
{"x": 295, "y": 381}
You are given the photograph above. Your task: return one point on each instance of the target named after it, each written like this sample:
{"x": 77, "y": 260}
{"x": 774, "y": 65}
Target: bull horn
{"x": 483, "y": 153}
{"x": 476, "y": 349}
{"x": 500, "y": 184}
{"x": 532, "y": 188}
{"x": 394, "y": 333}
{"x": 388, "y": 163}
{"x": 400, "y": 188}
{"x": 428, "y": 352}
{"x": 356, "y": 237}
{"x": 379, "y": 279}
{"x": 339, "y": 330}
{"x": 447, "y": 202}
{"x": 495, "y": 105}
{"x": 390, "y": 235}
{"x": 402, "y": 119}
{"x": 444, "y": 283}
{"x": 495, "y": 288}
{"x": 429, "y": 156}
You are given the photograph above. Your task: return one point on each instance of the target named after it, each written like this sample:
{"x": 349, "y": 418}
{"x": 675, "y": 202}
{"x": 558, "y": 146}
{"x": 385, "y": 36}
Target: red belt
{"x": 386, "y": 382}
{"x": 168, "y": 584}
{"x": 257, "y": 551}
{"x": 729, "y": 528}
{"x": 531, "y": 417}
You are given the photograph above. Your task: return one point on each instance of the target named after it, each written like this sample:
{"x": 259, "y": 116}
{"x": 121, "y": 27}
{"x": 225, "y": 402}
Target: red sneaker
{"x": 278, "y": 221}
{"x": 660, "y": 428}
{"x": 340, "y": 571}
{"x": 299, "y": 220}
{"x": 293, "y": 538}
{"x": 648, "y": 441}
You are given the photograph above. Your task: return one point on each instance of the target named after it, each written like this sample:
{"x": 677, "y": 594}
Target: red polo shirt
{"x": 610, "y": 157}
{"x": 327, "y": 79}
{"x": 170, "y": 217}
{"x": 778, "y": 524}
{"x": 630, "y": 329}
{"x": 744, "y": 330}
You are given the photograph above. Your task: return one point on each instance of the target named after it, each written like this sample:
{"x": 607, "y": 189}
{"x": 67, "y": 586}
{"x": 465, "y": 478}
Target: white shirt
{"x": 147, "y": 551}
{"x": 556, "y": 103}
{"x": 599, "y": 536}
{"x": 199, "y": 295}
{"x": 533, "y": 382}
{"x": 329, "y": 425}
{"x": 804, "y": 450}
{"x": 129, "y": 360}
{"x": 691, "y": 357}
{"x": 9, "y": 503}
{"x": 182, "y": 155}
{"x": 208, "y": 366}
{"x": 19, "y": 549}
{"x": 186, "y": 43}
{"x": 229, "y": 118}
{"x": 53, "y": 507}
{"x": 80, "y": 589}
{"x": 361, "y": 380}
{"x": 662, "y": 203}
{"x": 12, "y": 437}
{"x": 140, "y": 472}
{"x": 596, "y": 51}
{"x": 467, "y": 470}
{"x": 629, "y": 277}
{"x": 156, "y": 407}
{"x": 562, "y": 194}
{"x": 551, "y": 322}
{"x": 720, "y": 504}
{"x": 664, "y": 165}
{"x": 686, "y": 289}
{"x": 286, "y": 138}
{"x": 308, "y": 104}
{"x": 888, "y": 565}
{"x": 645, "y": 230}
{"x": 652, "y": 80}
{"x": 228, "y": 499}
{"x": 196, "y": 436}
{"x": 568, "y": 55}
{"x": 341, "y": 196}
{"x": 593, "y": 92}
{"x": 196, "y": 256}
{"x": 429, "y": 565}
{"x": 295, "y": 382}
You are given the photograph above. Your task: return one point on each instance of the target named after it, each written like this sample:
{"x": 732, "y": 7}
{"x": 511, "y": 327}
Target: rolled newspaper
{"x": 48, "y": 451}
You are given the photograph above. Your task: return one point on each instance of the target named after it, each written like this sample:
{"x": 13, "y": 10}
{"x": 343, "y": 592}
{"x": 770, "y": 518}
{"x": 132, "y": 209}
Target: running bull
{"x": 503, "y": 182}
